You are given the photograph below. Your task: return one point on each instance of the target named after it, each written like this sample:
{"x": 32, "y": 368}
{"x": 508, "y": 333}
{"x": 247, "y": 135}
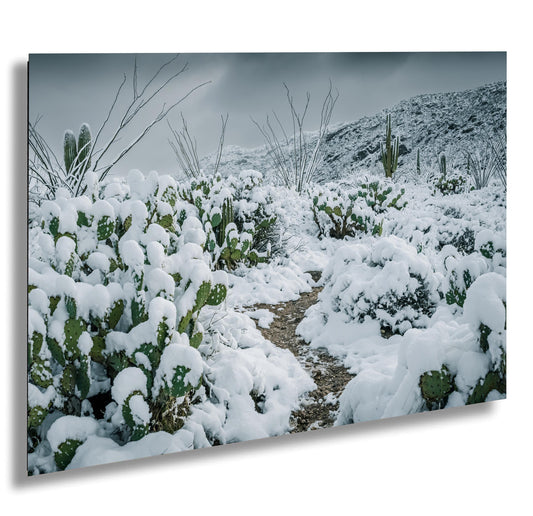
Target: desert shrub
{"x": 381, "y": 195}
{"x": 347, "y": 210}
{"x": 450, "y": 183}
{"x": 462, "y": 271}
{"x": 478, "y": 374}
{"x": 388, "y": 281}
{"x": 115, "y": 290}
{"x": 237, "y": 218}
{"x": 339, "y": 213}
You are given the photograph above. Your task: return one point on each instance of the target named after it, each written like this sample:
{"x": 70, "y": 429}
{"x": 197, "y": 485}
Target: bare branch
{"x": 185, "y": 148}
{"x": 162, "y": 114}
{"x": 294, "y": 160}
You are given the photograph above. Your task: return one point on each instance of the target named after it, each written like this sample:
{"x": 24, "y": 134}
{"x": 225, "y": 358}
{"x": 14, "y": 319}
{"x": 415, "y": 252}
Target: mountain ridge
{"x": 433, "y": 123}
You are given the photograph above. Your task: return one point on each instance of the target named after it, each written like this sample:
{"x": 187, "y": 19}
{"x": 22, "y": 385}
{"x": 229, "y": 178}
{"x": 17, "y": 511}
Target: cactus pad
{"x": 436, "y": 386}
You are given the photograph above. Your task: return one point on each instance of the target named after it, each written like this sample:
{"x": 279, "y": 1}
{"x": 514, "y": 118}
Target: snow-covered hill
{"x": 437, "y": 123}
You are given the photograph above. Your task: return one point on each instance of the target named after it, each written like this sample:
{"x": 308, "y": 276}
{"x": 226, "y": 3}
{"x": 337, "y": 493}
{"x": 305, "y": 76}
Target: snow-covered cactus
{"x": 390, "y": 151}
{"x": 84, "y": 146}
{"x": 442, "y": 165}
{"x": 436, "y": 386}
{"x": 77, "y": 156}
{"x": 449, "y": 182}
{"x": 339, "y": 213}
{"x": 462, "y": 271}
{"x": 70, "y": 150}
{"x": 485, "y": 310}
{"x": 235, "y": 218}
{"x": 113, "y": 284}
{"x": 377, "y": 195}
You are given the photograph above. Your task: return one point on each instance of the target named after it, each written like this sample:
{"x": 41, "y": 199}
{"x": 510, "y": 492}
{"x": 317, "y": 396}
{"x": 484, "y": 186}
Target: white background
{"x": 474, "y": 460}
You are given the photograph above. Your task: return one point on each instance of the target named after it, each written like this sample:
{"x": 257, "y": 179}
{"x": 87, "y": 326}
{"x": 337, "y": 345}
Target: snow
{"x": 178, "y": 354}
{"x": 70, "y": 427}
{"x": 131, "y": 253}
{"x": 127, "y": 381}
{"x": 485, "y": 302}
{"x": 263, "y": 316}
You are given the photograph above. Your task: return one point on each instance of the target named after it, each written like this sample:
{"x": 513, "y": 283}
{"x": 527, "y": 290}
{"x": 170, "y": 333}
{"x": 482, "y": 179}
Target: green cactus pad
{"x": 217, "y": 295}
{"x": 216, "y": 219}
{"x": 116, "y": 362}
{"x": 36, "y": 416}
{"x": 163, "y": 334}
{"x": 114, "y": 315}
{"x": 83, "y": 381}
{"x": 70, "y": 305}
{"x": 184, "y": 322}
{"x": 36, "y": 344}
{"x": 96, "y": 352}
{"x": 68, "y": 379}
{"x": 170, "y": 195}
{"x": 55, "y": 350}
{"x": 65, "y": 453}
{"x": 54, "y": 226}
{"x": 41, "y": 373}
{"x": 105, "y": 228}
{"x": 83, "y": 220}
{"x": 73, "y": 330}
{"x": 491, "y": 382}
{"x": 152, "y": 352}
{"x": 138, "y": 311}
{"x": 138, "y": 431}
{"x": 236, "y": 255}
{"x": 202, "y": 295}
{"x": 179, "y": 388}
{"x": 196, "y": 340}
{"x": 166, "y": 221}
{"x": 436, "y": 386}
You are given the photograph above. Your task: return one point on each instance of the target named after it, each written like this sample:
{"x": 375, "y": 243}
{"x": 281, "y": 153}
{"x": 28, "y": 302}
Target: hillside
{"x": 433, "y": 123}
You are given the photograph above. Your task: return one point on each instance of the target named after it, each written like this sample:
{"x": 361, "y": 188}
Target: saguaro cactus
{"x": 70, "y": 150}
{"x": 77, "y": 156}
{"x": 442, "y": 165}
{"x": 84, "y": 146}
{"x": 391, "y": 151}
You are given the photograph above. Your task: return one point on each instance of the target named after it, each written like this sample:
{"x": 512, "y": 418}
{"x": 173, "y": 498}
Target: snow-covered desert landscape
{"x": 350, "y": 273}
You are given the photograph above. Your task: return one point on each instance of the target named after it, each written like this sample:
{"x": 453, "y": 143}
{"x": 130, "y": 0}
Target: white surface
{"x": 463, "y": 461}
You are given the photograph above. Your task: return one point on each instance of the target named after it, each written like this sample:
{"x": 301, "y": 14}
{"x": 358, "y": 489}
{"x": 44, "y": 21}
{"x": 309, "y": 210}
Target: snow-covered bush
{"x": 452, "y": 362}
{"x": 236, "y": 217}
{"x": 461, "y": 271}
{"x": 387, "y": 281}
{"x": 479, "y": 372}
{"x": 115, "y": 290}
{"x": 450, "y": 183}
{"x": 339, "y": 212}
{"x": 382, "y": 194}
{"x": 485, "y": 310}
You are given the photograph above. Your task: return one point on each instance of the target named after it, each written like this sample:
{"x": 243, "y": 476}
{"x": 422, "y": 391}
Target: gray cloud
{"x": 70, "y": 89}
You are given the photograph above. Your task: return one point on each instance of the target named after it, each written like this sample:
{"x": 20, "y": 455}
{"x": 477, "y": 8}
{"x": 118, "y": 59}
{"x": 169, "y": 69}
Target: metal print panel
{"x": 226, "y": 247}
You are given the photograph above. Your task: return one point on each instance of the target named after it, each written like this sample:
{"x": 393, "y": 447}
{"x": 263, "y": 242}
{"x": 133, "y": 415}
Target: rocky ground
{"x": 319, "y": 407}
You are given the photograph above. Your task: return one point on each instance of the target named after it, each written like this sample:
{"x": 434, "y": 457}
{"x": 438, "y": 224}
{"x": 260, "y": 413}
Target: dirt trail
{"x": 318, "y": 408}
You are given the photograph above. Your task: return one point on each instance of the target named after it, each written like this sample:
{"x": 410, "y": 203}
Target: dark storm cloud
{"x": 71, "y": 89}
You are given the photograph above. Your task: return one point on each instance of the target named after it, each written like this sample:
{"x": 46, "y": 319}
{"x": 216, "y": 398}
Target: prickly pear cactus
{"x": 233, "y": 236}
{"x": 115, "y": 284}
{"x": 340, "y": 212}
{"x": 436, "y": 386}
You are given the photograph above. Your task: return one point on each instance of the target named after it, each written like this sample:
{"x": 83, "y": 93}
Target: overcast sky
{"x": 70, "y": 89}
